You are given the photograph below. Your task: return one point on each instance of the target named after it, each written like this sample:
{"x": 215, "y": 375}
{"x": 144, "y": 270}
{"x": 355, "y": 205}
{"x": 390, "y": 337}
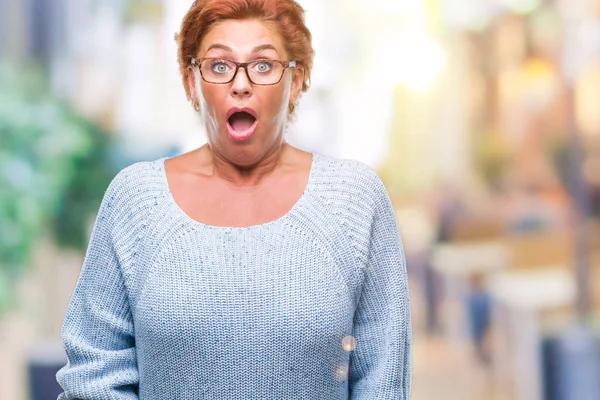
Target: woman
{"x": 247, "y": 268}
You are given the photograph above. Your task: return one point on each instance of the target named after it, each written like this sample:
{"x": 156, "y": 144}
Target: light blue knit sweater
{"x": 313, "y": 305}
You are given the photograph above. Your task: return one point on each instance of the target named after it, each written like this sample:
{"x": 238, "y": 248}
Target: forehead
{"x": 242, "y": 36}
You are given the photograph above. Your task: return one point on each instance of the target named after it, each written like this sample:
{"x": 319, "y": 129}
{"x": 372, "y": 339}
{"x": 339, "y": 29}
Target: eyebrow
{"x": 264, "y": 47}
{"x": 254, "y": 50}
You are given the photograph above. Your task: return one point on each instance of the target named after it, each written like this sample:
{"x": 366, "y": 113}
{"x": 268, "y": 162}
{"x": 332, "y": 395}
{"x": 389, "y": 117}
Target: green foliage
{"x": 53, "y": 172}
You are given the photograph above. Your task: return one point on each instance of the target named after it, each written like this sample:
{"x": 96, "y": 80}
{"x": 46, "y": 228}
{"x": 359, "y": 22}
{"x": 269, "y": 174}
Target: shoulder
{"x": 351, "y": 176}
{"x": 133, "y": 186}
{"x": 351, "y": 196}
{"x": 138, "y": 177}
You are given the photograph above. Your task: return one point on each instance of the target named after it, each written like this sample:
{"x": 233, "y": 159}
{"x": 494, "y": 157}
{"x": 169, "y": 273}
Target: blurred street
{"x": 482, "y": 119}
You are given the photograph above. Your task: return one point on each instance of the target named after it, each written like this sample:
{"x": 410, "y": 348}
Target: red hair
{"x": 287, "y": 16}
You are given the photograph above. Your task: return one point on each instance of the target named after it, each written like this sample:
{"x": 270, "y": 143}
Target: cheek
{"x": 209, "y": 95}
{"x": 214, "y": 99}
{"x": 277, "y": 99}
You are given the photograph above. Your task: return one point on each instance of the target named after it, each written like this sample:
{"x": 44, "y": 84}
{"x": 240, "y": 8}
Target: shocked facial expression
{"x": 240, "y": 112}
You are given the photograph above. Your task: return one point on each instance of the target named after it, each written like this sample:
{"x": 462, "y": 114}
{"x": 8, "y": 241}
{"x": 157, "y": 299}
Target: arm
{"x": 98, "y": 332}
{"x": 381, "y": 363}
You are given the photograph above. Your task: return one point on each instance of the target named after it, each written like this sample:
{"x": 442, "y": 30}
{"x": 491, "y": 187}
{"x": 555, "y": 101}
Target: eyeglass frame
{"x": 238, "y": 65}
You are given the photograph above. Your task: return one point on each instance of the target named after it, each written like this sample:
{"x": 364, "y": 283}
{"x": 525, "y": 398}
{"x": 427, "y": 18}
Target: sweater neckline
{"x": 289, "y": 214}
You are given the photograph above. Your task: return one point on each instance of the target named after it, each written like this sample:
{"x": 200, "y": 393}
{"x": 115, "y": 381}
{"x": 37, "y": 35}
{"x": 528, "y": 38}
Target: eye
{"x": 219, "y": 66}
{"x": 263, "y": 66}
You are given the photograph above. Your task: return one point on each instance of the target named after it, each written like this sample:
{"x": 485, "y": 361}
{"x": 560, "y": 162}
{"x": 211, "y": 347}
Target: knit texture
{"x": 313, "y": 305}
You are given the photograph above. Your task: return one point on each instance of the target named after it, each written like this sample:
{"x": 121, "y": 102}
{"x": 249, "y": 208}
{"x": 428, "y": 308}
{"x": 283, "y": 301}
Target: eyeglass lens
{"x": 262, "y": 72}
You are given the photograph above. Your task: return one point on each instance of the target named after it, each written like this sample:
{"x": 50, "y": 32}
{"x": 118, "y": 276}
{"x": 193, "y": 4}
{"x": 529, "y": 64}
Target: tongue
{"x": 241, "y": 121}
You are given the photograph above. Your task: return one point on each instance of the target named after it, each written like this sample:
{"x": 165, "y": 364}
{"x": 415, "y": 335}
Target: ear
{"x": 192, "y": 85}
{"x": 297, "y": 83}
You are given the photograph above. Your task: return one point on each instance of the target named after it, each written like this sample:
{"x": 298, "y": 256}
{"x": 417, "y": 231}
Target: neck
{"x": 247, "y": 176}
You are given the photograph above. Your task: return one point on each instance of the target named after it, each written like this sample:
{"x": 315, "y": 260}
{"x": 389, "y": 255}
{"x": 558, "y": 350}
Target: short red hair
{"x": 286, "y": 15}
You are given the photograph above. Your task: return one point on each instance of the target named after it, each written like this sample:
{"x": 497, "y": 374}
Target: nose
{"x": 241, "y": 86}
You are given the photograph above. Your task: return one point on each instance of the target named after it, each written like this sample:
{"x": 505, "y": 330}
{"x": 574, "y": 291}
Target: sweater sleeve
{"x": 98, "y": 331}
{"x": 381, "y": 363}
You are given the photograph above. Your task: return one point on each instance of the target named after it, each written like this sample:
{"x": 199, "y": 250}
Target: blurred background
{"x": 482, "y": 118}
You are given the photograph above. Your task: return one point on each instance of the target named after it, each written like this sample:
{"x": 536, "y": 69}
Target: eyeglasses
{"x": 259, "y": 72}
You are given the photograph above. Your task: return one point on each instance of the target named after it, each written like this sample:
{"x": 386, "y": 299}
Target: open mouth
{"x": 241, "y": 123}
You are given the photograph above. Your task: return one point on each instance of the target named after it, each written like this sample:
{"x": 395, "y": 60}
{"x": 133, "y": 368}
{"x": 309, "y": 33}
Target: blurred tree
{"x": 53, "y": 172}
